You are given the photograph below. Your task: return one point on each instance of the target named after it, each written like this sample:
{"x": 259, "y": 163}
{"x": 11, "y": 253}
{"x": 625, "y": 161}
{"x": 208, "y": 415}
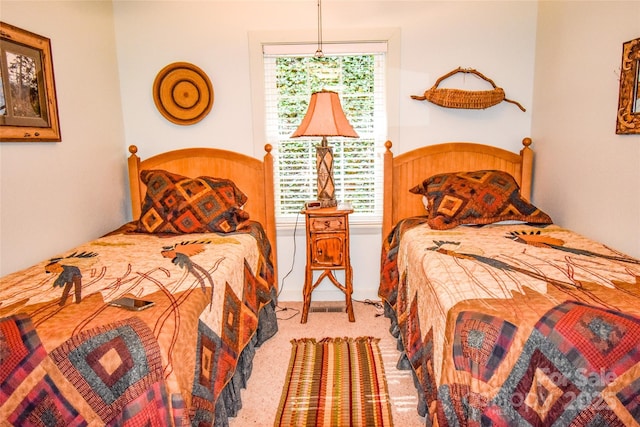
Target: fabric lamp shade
{"x": 324, "y": 118}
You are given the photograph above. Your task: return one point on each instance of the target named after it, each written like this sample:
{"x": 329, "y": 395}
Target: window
{"x": 356, "y": 72}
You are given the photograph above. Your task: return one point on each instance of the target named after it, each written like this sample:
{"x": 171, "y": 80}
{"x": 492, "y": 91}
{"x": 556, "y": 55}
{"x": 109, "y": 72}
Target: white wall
{"x": 107, "y": 54}
{"x": 497, "y": 38}
{"x": 55, "y": 196}
{"x": 586, "y": 177}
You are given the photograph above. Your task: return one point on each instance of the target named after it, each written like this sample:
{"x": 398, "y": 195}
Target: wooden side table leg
{"x": 306, "y": 295}
{"x": 349, "y": 291}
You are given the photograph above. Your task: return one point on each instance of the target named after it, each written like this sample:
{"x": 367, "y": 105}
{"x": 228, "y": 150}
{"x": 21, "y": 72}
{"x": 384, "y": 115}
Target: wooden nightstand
{"x": 327, "y": 250}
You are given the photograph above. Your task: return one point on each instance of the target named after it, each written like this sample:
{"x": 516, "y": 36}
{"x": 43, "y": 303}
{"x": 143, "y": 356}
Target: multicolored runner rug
{"x": 335, "y": 382}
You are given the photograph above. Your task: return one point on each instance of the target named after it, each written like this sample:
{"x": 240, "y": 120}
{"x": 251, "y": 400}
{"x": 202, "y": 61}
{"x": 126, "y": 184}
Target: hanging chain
{"x": 319, "y": 53}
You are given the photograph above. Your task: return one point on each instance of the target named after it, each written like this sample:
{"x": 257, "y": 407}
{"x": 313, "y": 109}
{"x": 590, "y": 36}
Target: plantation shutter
{"x": 357, "y": 73}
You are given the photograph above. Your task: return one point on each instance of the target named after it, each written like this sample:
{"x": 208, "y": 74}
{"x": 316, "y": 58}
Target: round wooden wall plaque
{"x": 183, "y": 93}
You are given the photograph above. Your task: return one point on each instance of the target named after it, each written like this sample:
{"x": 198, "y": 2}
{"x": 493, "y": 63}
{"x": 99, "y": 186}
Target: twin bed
{"x": 201, "y": 251}
{"x": 503, "y": 317}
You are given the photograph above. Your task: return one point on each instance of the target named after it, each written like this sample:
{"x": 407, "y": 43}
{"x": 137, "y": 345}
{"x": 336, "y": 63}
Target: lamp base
{"x": 324, "y": 166}
{"x": 328, "y": 203}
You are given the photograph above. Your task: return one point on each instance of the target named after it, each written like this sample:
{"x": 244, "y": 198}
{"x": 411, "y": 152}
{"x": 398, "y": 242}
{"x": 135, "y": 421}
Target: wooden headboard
{"x": 406, "y": 170}
{"x": 254, "y": 177}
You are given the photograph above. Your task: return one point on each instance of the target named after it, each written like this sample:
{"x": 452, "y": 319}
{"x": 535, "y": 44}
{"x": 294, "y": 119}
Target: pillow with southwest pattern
{"x": 479, "y": 197}
{"x": 177, "y": 204}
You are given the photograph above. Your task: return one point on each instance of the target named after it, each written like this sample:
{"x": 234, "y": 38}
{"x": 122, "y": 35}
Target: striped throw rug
{"x": 335, "y": 382}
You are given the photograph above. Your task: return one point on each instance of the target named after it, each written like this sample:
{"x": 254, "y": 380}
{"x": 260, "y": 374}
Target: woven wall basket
{"x": 468, "y": 99}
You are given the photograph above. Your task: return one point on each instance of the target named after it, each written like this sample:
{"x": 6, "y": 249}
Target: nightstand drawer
{"x": 328, "y": 223}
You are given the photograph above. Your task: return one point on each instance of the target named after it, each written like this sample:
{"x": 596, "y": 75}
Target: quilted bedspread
{"x": 515, "y": 324}
{"x": 69, "y": 358}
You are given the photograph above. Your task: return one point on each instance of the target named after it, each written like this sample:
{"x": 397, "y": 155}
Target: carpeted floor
{"x": 261, "y": 398}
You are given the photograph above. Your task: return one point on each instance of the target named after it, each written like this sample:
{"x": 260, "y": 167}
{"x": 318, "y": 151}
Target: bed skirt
{"x": 403, "y": 361}
{"x": 230, "y": 401}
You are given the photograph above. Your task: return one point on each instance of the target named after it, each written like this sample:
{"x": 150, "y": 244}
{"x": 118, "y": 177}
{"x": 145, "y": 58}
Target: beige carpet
{"x": 261, "y": 398}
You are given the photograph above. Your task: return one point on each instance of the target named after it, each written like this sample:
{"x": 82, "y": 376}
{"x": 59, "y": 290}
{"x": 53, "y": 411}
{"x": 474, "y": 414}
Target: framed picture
{"x": 629, "y": 98}
{"x": 28, "y": 105}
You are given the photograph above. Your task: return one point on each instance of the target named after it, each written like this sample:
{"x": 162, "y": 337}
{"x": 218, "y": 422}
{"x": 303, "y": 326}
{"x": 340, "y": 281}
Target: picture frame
{"x": 628, "y": 117}
{"x": 28, "y": 103}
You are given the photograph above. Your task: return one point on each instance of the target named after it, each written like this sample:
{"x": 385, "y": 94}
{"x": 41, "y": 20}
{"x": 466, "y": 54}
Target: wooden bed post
{"x": 270, "y": 215}
{"x": 527, "y": 169}
{"x": 387, "y": 190}
{"x": 134, "y": 182}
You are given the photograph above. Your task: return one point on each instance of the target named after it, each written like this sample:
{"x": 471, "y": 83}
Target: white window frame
{"x": 374, "y": 132}
{"x": 257, "y": 40}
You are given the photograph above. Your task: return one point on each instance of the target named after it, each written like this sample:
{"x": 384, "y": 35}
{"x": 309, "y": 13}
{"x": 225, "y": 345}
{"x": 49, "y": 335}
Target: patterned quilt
{"x": 515, "y": 324}
{"x": 68, "y": 357}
